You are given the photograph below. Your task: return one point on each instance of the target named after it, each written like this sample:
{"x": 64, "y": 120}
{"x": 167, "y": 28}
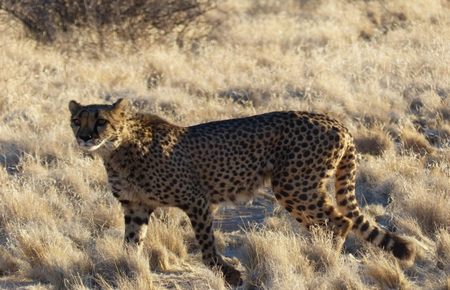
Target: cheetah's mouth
{"x": 90, "y": 145}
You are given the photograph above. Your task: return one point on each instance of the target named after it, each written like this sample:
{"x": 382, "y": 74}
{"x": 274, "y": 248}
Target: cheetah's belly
{"x": 133, "y": 193}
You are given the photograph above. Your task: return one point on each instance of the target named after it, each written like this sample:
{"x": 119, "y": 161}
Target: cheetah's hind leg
{"x": 400, "y": 247}
{"x": 310, "y": 205}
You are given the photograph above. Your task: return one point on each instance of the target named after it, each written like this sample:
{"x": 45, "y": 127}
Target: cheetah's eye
{"x": 101, "y": 122}
{"x": 76, "y": 122}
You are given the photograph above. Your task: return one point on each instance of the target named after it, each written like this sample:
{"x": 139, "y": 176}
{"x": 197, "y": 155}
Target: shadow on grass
{"x": 10, "y": 156}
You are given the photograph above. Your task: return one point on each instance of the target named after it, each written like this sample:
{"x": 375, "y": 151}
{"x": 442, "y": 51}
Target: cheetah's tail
{"x": 400, "y": 247}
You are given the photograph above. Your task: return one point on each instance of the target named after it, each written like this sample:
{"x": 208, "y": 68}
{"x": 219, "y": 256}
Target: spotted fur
{"x": 151, "y": 163}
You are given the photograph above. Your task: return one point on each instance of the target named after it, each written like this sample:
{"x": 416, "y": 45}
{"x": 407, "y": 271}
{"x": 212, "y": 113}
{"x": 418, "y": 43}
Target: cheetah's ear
{"x": 74, "y": 107}
{"x": 121, "y": 105}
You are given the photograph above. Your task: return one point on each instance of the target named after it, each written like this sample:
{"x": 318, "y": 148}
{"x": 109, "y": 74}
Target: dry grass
{"x": 373, "y": 141}
{"x": 414, "y": 142}
{"x": 443, "y": 250}
{"x": 386, "y": 272}
{"x": 378, "y": 66}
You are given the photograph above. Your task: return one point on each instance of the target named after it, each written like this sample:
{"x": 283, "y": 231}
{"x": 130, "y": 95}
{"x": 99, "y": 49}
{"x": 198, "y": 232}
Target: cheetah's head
{"x": 98, "y": 126}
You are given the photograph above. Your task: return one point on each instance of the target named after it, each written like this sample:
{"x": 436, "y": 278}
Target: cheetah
{"x": 152, "y": 163}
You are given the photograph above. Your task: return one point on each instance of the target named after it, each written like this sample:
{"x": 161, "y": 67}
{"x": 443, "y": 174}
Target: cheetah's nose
{"x": 85, "y": 138}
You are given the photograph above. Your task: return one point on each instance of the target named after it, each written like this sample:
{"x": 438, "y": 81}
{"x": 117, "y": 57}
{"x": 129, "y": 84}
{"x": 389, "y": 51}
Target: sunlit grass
{"x": 380, "y": 67}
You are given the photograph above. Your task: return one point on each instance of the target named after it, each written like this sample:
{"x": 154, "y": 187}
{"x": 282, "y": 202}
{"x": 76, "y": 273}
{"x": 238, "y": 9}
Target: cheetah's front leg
{"x": 136, "y": 220}
{"x": 201, "y": 220}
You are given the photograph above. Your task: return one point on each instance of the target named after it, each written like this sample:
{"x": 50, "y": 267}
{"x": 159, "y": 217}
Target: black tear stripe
{"x": 95, "y": 130}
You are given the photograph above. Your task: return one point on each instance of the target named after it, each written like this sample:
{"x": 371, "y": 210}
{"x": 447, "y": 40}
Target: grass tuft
{"x": 374, "y": 142}
{"x": 386, "y": 272}
{"x": 413, "y": 141}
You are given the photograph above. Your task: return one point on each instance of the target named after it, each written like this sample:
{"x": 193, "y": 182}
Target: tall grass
{"x": 378, "y": 66}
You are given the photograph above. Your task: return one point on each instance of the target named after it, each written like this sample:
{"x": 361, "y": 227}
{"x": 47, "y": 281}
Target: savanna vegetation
{"x": 381, "y": 67}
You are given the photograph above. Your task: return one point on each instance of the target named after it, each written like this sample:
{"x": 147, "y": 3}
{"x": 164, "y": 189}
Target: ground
{"x": 380, "y": 67}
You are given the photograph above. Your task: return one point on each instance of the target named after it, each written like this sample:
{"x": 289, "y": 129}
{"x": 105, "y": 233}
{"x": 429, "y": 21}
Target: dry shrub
{"x": 444, "y": 135}
{"x": 282, "y": 259}
{"x": 373, "y": 142}
{"x": 413, "y": 141}
{"x": 321, "y": 252}
{"x": 165, "y": 242}
{"x": 372, "y": 184}
{"x": 129, "y": 19}
{"x": 281, "y": 221}
{"x": 23, "y": 203}
{"x": 391, "y": 20}
{"x": 443, "y": 250}
{"x": 8, "y": 263}
{"x": 274, "y": 260}
{"x": 113, "y": 265}
{"x": 54, "y": 260}
{"x": 444, "y": 111}
{"x": 430, "y": 215}
{"x": 385, "y": 271}
{"x": 221, "y": 240}
{"x": 381, "y": 20}
{"x": 141, "y": 281}
{"x": 195, "y": 277}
